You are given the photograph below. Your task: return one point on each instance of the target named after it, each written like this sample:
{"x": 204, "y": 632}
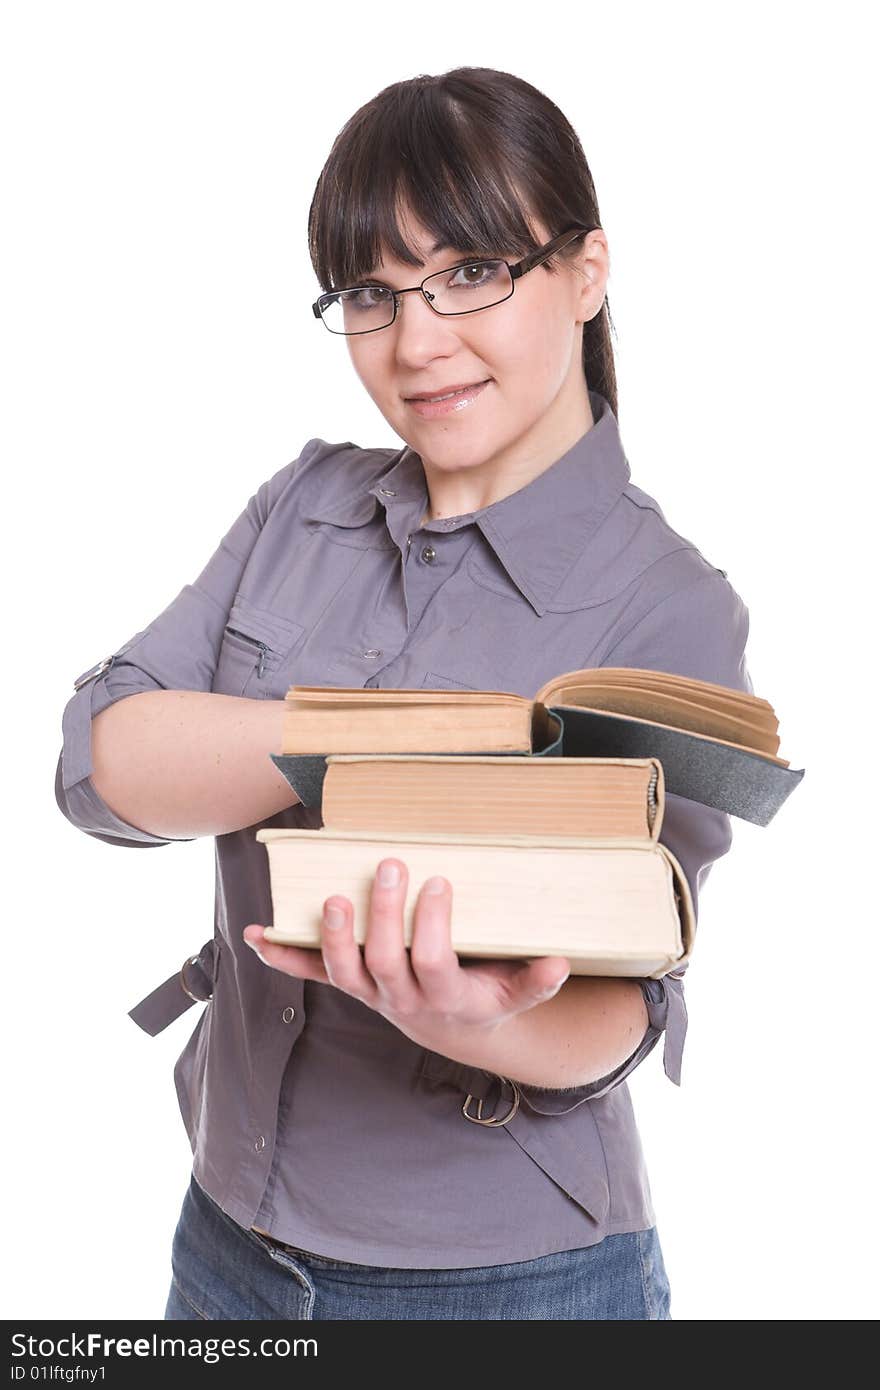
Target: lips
{"x": 457, "y": 404}
{"x": 445, "y": 391}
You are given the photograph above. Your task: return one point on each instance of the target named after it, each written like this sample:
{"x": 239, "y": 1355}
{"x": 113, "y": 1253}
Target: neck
{"x": 468, "y": 490}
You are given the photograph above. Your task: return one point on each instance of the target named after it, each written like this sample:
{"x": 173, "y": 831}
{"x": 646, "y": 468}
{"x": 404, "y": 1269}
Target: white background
{"x": 160, "y": 361}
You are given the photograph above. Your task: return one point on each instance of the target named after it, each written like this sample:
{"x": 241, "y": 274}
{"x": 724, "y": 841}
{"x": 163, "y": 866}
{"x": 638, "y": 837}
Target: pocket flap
{"x": 277, "y": 632}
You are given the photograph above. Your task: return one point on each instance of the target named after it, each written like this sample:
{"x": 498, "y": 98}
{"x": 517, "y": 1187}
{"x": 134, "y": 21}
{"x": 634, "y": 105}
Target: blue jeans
{"x": 221, "y": 1270}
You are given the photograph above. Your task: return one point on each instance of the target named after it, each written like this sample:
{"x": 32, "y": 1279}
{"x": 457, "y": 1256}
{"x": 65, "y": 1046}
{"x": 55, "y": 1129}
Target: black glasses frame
{"x": 520, "y": 268}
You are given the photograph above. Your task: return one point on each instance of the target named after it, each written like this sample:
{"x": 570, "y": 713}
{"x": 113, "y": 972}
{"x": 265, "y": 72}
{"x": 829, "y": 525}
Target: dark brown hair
{"x": 473, "y": 152}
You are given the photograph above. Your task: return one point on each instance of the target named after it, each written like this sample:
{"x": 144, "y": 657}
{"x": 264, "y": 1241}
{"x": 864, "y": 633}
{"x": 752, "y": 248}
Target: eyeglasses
{"x": 465, "y": 288}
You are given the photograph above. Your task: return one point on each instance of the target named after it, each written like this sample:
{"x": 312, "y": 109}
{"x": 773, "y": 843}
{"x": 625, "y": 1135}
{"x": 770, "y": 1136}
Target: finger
{"x": 538, "y": 982}
{"x": 434, "y": 962}
{"x": 385, "y": 954}
{"x": 342, "y": 954}
{"x": 303, "y": 962}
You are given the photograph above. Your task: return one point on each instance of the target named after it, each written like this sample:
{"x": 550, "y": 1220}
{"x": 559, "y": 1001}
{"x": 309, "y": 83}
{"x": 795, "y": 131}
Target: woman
{"x": 380, "y": 1134}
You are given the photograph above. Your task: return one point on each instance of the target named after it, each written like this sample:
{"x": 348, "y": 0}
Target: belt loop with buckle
{"x": 492, "y": 1120}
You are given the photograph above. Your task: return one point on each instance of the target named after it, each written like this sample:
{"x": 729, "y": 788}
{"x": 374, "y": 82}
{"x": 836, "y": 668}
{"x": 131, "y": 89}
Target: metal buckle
{"x": 93, "y": 673}
{"x": 478, "y": 1120}
{"x": 197, "y": 998}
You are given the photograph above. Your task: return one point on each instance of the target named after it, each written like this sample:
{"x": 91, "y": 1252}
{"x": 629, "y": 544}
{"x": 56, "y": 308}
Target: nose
{"x": 418, "y": 326}
{"x": 423, "y": 298}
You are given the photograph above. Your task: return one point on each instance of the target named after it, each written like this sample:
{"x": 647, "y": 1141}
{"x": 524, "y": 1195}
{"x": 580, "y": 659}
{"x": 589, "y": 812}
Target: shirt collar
{"x": 539, "y": 531}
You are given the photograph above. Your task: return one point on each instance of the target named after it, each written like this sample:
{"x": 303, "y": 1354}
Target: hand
{"x": 425, "y": 991}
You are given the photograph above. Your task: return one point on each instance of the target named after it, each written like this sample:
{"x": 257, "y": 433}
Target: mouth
{"x": 444, "y": 403}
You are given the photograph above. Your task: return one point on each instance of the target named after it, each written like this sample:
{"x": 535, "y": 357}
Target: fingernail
{"x": 389, "y": 874}
{"x": 554, "y": 989}
{"x": 435, "y": 884}
{"x": 334, "y": 916}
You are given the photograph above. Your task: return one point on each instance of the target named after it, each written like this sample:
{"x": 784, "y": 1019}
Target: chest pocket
{"x": 255, "y": 651}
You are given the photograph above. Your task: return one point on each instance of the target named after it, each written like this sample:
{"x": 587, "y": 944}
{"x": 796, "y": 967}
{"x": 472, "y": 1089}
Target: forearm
{"x": 185, "y": 763}
{"x": 584, "y": 1032}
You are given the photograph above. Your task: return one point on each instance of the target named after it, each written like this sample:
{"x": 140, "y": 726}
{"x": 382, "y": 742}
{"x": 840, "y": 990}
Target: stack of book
{"x": 543, "y": 814}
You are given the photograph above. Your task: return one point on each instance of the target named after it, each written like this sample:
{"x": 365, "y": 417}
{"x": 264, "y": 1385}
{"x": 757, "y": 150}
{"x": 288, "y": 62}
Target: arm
{"x": 699, "y": 631}
{"x": 177, "y": 761}
{"x": 585, "y": 1031}
{"x": 182, "y": 763}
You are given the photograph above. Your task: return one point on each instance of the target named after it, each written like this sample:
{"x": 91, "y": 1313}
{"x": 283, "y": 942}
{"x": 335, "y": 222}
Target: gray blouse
{"x": 310, "y": 1115}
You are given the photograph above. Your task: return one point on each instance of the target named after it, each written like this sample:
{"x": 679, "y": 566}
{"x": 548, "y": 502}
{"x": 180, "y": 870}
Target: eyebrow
{"x": 435, "y": 250}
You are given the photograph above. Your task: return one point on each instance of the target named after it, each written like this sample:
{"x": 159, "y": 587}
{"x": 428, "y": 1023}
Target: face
{"x": 527, "y": 348}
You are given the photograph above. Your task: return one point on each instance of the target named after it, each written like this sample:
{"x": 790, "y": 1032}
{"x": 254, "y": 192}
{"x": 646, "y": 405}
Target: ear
{"x": 592, "y": 268}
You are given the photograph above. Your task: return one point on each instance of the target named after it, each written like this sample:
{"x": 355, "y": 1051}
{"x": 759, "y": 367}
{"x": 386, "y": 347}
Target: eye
{"x": 475, "y": 275}
{"x": 365, "y": 298}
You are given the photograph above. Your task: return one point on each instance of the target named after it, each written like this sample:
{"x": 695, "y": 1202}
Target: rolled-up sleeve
{"x": 178, "y": 650}
{"x": 699, "y": 631}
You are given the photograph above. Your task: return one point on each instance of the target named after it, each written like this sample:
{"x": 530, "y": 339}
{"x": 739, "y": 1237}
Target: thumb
{"x": 541, "y": 979}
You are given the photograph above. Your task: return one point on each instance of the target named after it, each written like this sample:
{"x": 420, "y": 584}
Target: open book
{"x": 556, "y": 857}
{"x": 718, "y": 745}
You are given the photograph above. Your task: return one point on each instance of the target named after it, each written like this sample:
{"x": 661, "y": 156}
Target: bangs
{"x": 417, "y": 153}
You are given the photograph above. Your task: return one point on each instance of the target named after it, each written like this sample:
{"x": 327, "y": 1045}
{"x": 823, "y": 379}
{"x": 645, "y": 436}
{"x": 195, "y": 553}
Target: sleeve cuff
{"x": 85, "y": 809}
{"x": 75, "y": 792}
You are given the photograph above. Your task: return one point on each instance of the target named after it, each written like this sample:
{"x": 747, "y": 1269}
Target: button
{"x": 289, "y": 1014}
{"x": 260, "y": 1143}
{"x": 408, "y": 542}
{"x": 388, "y": 491}
{"x": 374, "y": 651}
{"x": 429, "y": 554}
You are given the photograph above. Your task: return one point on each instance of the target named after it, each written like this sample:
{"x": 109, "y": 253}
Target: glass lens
{"x": 358, "y": 310}
{"x": 469, "y": 287}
